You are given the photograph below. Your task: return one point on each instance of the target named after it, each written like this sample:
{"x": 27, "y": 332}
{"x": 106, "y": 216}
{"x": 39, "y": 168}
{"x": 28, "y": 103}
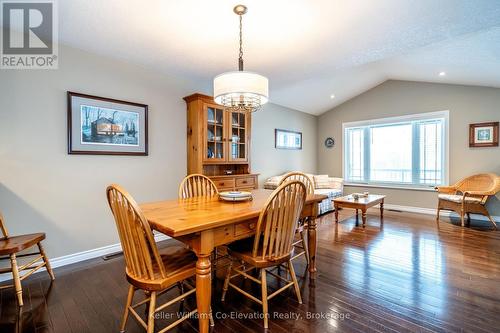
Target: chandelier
{"x": 241, "y": 91}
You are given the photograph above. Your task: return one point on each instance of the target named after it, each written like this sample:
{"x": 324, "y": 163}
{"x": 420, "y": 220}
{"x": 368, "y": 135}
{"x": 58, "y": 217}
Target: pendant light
{"x": 241, "y": 91}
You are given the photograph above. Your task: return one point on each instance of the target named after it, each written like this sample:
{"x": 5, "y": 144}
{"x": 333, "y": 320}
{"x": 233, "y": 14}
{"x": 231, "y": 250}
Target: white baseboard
{"x": 82, "y": 256}
{"x": 433, "y": 211}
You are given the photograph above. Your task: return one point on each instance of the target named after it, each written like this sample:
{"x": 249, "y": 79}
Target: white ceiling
{"x": 308, "y": 49}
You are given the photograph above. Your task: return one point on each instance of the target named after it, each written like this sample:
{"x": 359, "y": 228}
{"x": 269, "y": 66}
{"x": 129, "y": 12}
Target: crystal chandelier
{"x": 241, "y": 91}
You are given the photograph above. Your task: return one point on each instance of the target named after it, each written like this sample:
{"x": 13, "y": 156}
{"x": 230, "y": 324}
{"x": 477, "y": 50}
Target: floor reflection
{"x": 27, "y": 318}
{"x": 407, "y": 267}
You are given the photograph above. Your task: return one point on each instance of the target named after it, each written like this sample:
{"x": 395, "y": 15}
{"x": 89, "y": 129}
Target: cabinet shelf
{"x": 207, "y": 120}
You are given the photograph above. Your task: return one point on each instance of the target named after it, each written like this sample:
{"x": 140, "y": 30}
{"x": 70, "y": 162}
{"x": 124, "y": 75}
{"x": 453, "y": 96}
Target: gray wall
{"x": 394, "y": 98}
{"x": 270, "y": 161}
{"x": 42, "y": 188}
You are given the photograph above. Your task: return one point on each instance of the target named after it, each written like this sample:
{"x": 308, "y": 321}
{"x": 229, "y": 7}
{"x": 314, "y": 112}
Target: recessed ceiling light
{"x": 442, "y": 73}
{"x": 332, "y": 96}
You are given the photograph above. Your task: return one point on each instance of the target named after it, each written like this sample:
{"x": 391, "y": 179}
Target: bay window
{"x": 407, "y": 151}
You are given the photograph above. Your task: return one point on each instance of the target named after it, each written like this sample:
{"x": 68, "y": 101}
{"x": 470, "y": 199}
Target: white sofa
{"x": 323, "y": 184}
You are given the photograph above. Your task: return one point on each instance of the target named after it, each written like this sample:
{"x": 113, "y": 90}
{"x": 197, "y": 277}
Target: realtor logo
{"x": 29, "y": 35}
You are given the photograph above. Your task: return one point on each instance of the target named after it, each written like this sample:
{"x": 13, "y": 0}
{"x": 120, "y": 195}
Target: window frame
{"x": 445, "y": 115}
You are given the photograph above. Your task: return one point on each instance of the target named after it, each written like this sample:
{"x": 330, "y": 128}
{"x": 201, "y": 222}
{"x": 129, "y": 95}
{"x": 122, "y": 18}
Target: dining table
{"x": 203, "y": 223}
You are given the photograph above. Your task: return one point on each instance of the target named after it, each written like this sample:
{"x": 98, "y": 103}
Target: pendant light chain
{"x": 240, "y": 60}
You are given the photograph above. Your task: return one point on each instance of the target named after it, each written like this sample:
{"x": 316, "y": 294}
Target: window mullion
{"x": 347, "y": 156}
{"x": 415, "y": 146}
{"x": 366, "y": 158}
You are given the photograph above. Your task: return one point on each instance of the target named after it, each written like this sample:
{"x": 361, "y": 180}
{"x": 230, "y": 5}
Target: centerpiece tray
{"x": 235, "y": 196}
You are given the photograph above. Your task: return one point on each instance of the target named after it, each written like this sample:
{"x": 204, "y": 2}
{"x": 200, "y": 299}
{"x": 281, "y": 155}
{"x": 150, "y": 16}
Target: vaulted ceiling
{"x": 310, "y": 50}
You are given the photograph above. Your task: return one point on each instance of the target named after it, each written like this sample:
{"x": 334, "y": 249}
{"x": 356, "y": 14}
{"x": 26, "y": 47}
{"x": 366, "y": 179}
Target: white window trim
{"x": 445, "y": 114}
{"x": 412, "y": 187}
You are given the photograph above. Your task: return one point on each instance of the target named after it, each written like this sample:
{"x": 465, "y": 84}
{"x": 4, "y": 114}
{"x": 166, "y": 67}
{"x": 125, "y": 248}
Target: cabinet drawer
{"x": 245, "y": 189}
{"x": 245, "y": 228}
{"x": 245, "y": 182}
{"x": 224, "y": 183}
{"x": 223, "y": 235}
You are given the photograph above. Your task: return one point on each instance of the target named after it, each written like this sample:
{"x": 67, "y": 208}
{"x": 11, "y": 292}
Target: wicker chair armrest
{"x": 476, "y": 193}
{"x": 446, "y": 189}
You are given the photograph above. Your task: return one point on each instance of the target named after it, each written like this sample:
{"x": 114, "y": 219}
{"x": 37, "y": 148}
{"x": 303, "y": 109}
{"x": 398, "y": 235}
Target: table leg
{"x": 203, "y": 280}
{"x": 336, "y": 213}
{"x": 311, "y": 238}
{"x": 382, "y": 210}
{"x": 364, "y": 217}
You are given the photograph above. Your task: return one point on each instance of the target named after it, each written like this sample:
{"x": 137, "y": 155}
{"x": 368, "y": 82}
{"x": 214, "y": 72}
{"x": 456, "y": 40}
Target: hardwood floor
{"x": 406, "y": 275}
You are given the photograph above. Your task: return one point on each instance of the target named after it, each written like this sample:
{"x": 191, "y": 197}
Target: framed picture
{"x": 483, "y": 135}
{"x": 284, "y": 139}
{"x": 105, "y": 126}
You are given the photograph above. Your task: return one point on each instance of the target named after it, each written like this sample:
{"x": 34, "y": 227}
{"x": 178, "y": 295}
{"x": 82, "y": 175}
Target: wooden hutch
{"x": 218, "y": 144}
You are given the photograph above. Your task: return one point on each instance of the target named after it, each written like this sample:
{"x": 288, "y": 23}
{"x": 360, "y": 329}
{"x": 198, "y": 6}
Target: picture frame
{"x": 483, "y": 134}
{"x": 286, "y": 139}
{"x": 105, "y": 126}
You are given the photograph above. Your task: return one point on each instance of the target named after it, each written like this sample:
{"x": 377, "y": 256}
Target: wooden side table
{"x": 360, "y": 204}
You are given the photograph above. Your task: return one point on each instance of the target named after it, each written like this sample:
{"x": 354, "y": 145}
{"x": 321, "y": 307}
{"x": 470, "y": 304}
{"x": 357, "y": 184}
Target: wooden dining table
{"x": 204, "y": 223}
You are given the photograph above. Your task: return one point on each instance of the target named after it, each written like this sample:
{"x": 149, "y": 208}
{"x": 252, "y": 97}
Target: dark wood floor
{"x": 405, "y": 276}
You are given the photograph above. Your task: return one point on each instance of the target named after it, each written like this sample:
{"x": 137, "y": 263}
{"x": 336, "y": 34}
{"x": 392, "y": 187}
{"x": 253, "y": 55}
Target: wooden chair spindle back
{"x": 139, "y": 248}
{"x": 278, "y": 221}
{"x": 197, "y": 185}
{"x": 295, "y": 175}
{"x": 3, "y": 228}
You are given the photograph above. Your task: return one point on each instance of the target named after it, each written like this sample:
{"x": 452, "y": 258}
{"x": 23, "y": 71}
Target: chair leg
{"x": 462, "y": 218}
{"x": 215, "y": 256}
{"x": 226, "y": 281}
{"x": 130, "y": 296}
{"x": 243, "y": 268}
{"x": 437, "y": 215}
{"x": 46, "y": 261}
{"x": 147, "y": 294}
{"x": 491, "y": 220}
{"x": 468, "y": 219}
{"x": 304, "y": 245}
{"x": 295, "y": 282}
{"x": 263, "y": 280}
{"x": 211, "y": 318}
{"x": 180, "y": 286}
{"x": 17, "y": 280}
{"x": 151, "y": 314}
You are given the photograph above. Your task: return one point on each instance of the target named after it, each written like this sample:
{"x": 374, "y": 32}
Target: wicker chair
{"x": 469, "y": 196}
{"x": 300, "y": 244}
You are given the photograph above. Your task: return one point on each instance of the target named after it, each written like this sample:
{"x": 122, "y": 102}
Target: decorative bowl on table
{"x": 356, "y": 196}
{"x": 235, "y": 196}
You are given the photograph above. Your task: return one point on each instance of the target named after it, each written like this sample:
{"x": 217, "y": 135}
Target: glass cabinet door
{"x": 238, "y": 145}
{"x": 214, "y": 137}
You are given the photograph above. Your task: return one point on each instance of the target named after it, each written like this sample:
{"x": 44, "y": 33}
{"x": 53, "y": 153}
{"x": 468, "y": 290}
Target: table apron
{"x": 229, "y": 233}
{"x": 357, "y": 205}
